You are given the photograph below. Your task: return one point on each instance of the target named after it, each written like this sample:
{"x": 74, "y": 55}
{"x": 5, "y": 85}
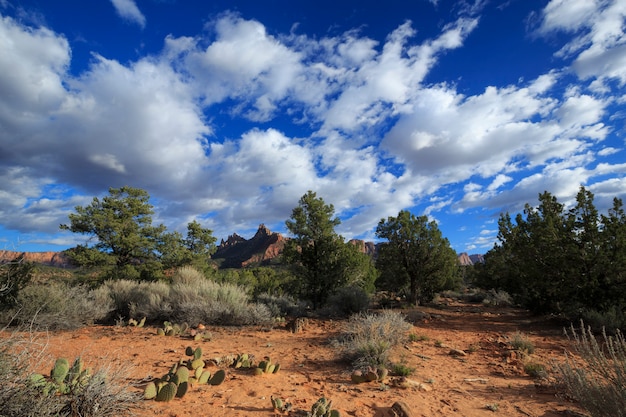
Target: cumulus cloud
{"x": 599, "y": 44}
{"x": 366, "y": 131}
{"x": 127, "y": 9}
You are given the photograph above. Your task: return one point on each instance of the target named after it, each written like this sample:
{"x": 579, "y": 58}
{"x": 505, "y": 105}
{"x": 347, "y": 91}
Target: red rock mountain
{"x": 261, "y": 249}
{"x": 57, "y": 259}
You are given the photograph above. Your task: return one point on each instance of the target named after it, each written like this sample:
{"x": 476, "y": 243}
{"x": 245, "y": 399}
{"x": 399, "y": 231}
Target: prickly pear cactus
{"x": 150, "y": 392}
{"x": 266, "y": 367}
{"x": 197, "y": 354}
{"x": 218, "y": 377}
{"x": 183, "y": 374}
{"x": 182, "y": 389}
{"x": 322, "y": 408}
{"x": 167, "y": 392}
{"x": 60, "y": 370}
{"x": 204, "y": 377}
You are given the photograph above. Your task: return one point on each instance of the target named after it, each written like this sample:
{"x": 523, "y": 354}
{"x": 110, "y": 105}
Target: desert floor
{"x": 488, "y": 380}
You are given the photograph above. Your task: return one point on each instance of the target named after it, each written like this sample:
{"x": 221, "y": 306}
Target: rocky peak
{"x": 239, "y": 252}
{"x": 231, "y": 241}
{"x": 464, "y": 259}
{"x": 262, "y": 232}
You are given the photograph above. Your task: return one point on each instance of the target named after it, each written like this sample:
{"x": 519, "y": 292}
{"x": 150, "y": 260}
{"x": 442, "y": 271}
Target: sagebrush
{"x": 595, "y": 375}
{"x": 367, "y": 338}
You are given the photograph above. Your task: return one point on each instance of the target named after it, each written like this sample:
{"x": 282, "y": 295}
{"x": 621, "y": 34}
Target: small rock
{"x": 457, "y": 352}
{"x": 400, "y": 409}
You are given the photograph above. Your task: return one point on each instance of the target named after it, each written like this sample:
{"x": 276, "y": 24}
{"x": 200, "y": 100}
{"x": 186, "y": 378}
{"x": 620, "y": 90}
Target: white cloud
{"x": 33, "y": 63}
{"x": 127, "y": 9}
{"x": 376, "y": 139}
{"x": 567, "y": 15}
{"x": 599, "y": 43}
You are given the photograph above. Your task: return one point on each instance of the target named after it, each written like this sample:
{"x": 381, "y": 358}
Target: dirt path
{"x": 488, "y": 380}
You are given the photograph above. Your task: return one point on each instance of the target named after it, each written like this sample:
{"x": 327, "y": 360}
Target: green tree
{"x": 121, "y": 224}
{"x": 195, "y": 249}
{"x": 555, "y": 260}
{"x": 320, "y": 257}
{"x": 126, "y": 244}
{"x": 415, "y": 254}
{"x": 612, "y": 284}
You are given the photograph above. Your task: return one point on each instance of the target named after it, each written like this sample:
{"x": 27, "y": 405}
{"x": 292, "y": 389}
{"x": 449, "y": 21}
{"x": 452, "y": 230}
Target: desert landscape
{"x": 462, "y": 360}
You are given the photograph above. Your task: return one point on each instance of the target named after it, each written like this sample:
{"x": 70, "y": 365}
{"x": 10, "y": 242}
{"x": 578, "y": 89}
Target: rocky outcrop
{"x": 58, "y": 259}
{"x": 368, "y": 248}
{"x": 477, "y": 259}
{"x": 468, "y": 260}
{"x": 262, "y": 248}
{"x": 464, "y": 259}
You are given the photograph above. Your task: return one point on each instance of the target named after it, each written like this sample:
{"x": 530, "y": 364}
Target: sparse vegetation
{"x": 57, "y": 305}
{"x": 368, "y": 338}
{"x": 536, "y": 370}
{"x": 492, "y": 407}
{"x": 418, "y": 337}
{"x": 402, "y": 369}
{"x": 104, "y": 393}
{"x": 599, "y": 384}
{"x": 522, "y": 343}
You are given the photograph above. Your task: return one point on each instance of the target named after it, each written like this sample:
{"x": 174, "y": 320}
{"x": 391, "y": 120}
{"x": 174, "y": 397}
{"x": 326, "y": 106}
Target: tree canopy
{"x": 416, "y": 255}
{"x": 124, "y": 239}
{"x": 553, "y": 259}
{"x": 319, "y": 256}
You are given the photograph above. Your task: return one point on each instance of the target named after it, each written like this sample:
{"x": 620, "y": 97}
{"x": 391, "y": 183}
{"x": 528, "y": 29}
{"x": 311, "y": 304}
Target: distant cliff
{"x": 58, "y": 259}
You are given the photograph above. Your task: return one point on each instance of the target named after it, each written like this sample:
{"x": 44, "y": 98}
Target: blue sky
{"x": 227, "y": 112}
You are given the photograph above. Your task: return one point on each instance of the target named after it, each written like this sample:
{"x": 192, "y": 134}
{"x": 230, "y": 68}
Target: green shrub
{"x": 521, "y": 343}
{"x": 536, "y": 370}
{"x": 402, "y": 369}
{"x": 136, "y": 299}
{"x": 599, "y": 386}
{"x": 418, "y": 337}
{"x": 610, "y": 320}
{"x": 280, "y": 306}
{"x": 368, "y": 338}
{"x": 348, "y": 300}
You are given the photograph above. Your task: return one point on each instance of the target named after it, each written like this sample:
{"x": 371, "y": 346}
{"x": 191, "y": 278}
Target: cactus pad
{"x": 218, "y": 377}
{"x": 167, "y": 392}
{"x": 182, "y": 389}
{"x": 204, "y": 377}
{"x": 150, "y": 392}
{"x": 183, "y": 374}
{"x": 60, "y": 370}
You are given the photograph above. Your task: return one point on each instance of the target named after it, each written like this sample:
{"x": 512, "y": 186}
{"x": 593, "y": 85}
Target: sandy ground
{"x": 488, "y": 380}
